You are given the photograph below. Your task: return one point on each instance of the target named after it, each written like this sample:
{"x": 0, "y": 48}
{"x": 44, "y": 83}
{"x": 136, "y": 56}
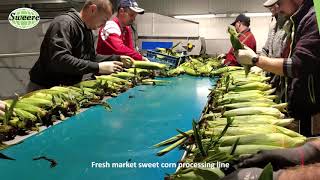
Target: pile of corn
{"x": 197, "y": 66}
{"x": 241, "y": 118}
{"x": 44, "y": 107}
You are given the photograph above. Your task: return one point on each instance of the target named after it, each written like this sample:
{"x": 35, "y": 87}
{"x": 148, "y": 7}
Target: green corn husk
{"x": 226, "y": 69}
{"x": 40, "y": 95}
{"x": 123, "y": 75}
{"x": 248, "y": 120}
{"x": 109, "y": 78}
{"x": 249, "y": 149}
{"x": 253, "y": 129}
{"x": 24, "y": 115}
{"x": 138, "y": 71}
{"x": 191, "y": 72}
{"x": 236, "y": 44}
{"x": 254, "y": 111}
{"x": 265, "y": 93}
{"x": 148, "y": 65}
{"x": 248, "y": 98}
{"x": 171, "y": 147}
{"x": 172, "y": 139}
{"x": 175, "y": 72}
{"x": 247, "y": 104}
{"x": 90, "y": 84}
{"x": 17, "y": 123}
{"x": 37, "y": 102}
{"x": 271, "y": 139}
{"x": 282, "y": 107}
{"x": 251, "y": 86}
{"x": 37, "y": 111}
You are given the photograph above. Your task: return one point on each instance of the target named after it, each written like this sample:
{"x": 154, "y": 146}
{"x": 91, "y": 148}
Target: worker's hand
{"x": 127, "y": 61}
{"x": 110, "y": 67}
{"x": 244, "y": 56}
{"x": 2, "y": 108}
{"x": 250, "y": 173}
{"x": 283, "y": 158}
{"x": 145, "y": 59}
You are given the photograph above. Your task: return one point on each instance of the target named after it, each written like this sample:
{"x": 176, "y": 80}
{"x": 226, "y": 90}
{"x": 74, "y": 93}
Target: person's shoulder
{"x": 63, "y": 19}
{"x": 112, "y": 27}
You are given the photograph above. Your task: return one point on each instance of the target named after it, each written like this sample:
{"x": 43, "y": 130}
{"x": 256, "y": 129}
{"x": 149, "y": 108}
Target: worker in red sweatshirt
{"x": 242, "y": 25}
{"x": 116, "y": 36}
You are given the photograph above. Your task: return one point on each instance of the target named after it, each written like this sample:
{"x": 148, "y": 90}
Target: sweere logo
{"x": 24, "y": 18}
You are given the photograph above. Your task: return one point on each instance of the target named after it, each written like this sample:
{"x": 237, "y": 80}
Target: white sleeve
{"x": 110, "y": 28}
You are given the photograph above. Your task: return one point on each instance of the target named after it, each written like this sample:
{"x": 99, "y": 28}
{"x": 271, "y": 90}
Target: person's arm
{"x": 273, "y": 65}
{"x": 301, "y": 173}
{"x": 58, "y": 50}
{"x": 2, "y": 108}
{"x": 103, "y": 58}
{"x": 283, "y": 158}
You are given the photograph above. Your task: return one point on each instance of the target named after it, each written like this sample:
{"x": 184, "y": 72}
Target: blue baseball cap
{"x": 132, "y": 4}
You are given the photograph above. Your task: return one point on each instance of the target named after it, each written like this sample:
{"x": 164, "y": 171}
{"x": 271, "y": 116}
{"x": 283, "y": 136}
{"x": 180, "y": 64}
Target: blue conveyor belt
{"x": 141, "y": 117}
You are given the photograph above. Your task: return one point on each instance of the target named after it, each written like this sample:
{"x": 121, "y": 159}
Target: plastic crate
{"x": 165, "y": 59}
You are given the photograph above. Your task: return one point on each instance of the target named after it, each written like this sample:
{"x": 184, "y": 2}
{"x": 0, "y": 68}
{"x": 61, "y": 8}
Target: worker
{"x": 301, "y": 67}
{"x": 116, "y": 36}
{"x": 242, "y": 26}
{"x": 275, "y": 44}
{"x": 301, "y": 163}
{"x": 67, "y": 51}
{"x": 2, "y": 108}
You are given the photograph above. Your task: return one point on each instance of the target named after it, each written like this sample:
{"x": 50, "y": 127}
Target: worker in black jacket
{"x": 67, "y": 51}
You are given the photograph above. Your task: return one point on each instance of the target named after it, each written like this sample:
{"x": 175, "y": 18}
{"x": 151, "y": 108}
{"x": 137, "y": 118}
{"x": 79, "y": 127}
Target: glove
{"x": 244, "y": 56}
{"x": 127, "y": 61}
{"x": 110, "y": 67}
{"x": 2, "y": 108}
{"x": 250, "y": 173}
{"x": 145, "y": 59}
{"x": 283, "y": 158}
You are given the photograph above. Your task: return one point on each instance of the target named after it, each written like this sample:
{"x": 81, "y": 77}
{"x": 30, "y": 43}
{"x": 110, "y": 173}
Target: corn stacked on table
{"x": 240, "y": 118}
{"x": 44, "y": 107}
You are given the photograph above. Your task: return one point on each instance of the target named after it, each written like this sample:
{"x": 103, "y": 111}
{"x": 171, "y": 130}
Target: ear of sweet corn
{"x": 24, "y": 115}
{"x": 252, "y": 129}
{"x": 254, "y": 111}
{"x": 270, "y": 139}
{"x": 236, "y": 122}
{"x": 148, "y": 65}
{"x": 37, "y": 102}
{"x": 252, "y": 86}
{"x": 247, "y": 104}
{"x": 248, "y": 149}
{"x": 246, "y": 98}
{"x": 123, "y": 75}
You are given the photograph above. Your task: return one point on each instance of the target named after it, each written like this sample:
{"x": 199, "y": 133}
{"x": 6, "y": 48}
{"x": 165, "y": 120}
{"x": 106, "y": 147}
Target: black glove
{"x": 283, "y": 158}
{"x": 250, "y": 173}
